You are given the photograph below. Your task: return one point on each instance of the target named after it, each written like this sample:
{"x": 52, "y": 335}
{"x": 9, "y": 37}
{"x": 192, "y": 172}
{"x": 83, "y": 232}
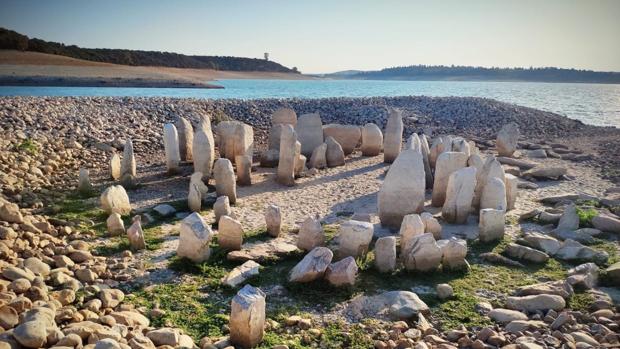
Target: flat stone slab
{"x": 265, "y": 250}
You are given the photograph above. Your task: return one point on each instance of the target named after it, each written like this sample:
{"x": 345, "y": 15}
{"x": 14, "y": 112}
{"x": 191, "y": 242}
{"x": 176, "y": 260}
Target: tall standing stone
{"x": 244, "y": 169}
{"x": 512, "y": 191}
{"x": 413, "y": 142}
{"x": 194, "y": 198}
{"x": 494, "y": 195}
{"x": 300, "y": 160}
{"x": 194, "y": 239}
{"x": 309, "y": 130}
{"x": 385, "y": 254}
{"x": 186, "y": 139}
{"x": 225, "y": 179}
{"x": 318, "y": 159}
{"x": 171, "y": 147}
{"x": 507, "y": 139}
{"x": 440, "y": 145}
{"x": 491, "y": 169}
{"x": 393, "y": 139}
{"x": 135, "y": 235}
{"x": 334, "y": 153}
{"x": 273, "y": 220}
{"x": 427, "y": 165}
{"x": 447, "y": 163}
{"x": 354, "y": 237}
{"x": 203, "y": 152}
{"x": 372, "y": 140}
{"x": 310, "y": 234}
{"x": 235, "y": 138}
{"x": 402, "y": 191}
{"x": 115, "y": 167}
{"x": 491, "y": 225}
{"x": 286, "y": 164}
{"x": 247, "y": 317}
{"x": 459, "y": 195}
{"x": 230, "y": 233}
{"x": 411, "y": 227}
{"x": 128, "y": 166}
{"x": 348, "y": 136}
{"x": 84, "y": 185}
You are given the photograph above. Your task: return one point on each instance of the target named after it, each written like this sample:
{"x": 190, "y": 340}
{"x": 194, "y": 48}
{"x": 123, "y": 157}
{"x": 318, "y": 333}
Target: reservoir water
{"x": 596, "y": 104}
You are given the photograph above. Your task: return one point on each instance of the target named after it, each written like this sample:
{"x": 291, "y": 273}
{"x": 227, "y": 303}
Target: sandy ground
{"x": 34, "y": 64}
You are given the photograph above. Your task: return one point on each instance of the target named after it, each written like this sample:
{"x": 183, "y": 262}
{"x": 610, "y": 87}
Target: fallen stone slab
{"x": 540, "y": 302}
{"x": 526, "y": 253}
{"x": 546, "y": 172}
{"x": 261, "y": 251}
{"x": 524, "y": 164}
{"x": 607, "y": 223}
{"x": 312, "y": 266}
{"x": 240, "y": 274}
{"x": 395, "y": 305}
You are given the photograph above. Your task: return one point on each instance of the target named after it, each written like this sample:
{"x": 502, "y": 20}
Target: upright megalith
{"x": 221, "y": 207}
{"x": 372, "y": 140}
{"x": 393, "y": 138}
{"x": 402, "y": 191}
{"x": 431, "y": 225}
{"x": 186, "y": 139}
{"x": 460, "y": 145}
{"x": 490, "y": 169}
{"x": 235, "y": 138}
{"x": 197, "y": 190}
{"x": 135, "y": 235}
{"x": 312, "y": 266}
{"x": 85, "y": 187}
{"x": 494, "y": 195}
{"x": 440, "y": 145}
{"x": 348, "y": 136}
{"x": 284, "y": 115}
{"x": 300, "y": 161}
{"x": 309, "y": 130}
{"x": 286, "y": 164}
{"x": 385, "y": 254}
{"x": 512, "y": 190}
{"x": 247, "y": 317}
{"x": 203, "y": 151}
{"x": 411, "y": 227}
{"x": 128, "y": 166}
{"x": 225, "y": 179}
{"x": 171, "y": 147}
{"x": 507, "y": 139}
{"x": 354, "y": 237}
{"x": 427, "y": 165}
{"x": 230, "y": 233}
{"x": 244, "y": 169}
{"x": 115, "y": 225}
{"x": 310, "y": 234}
{"x": 115, "y": 199}
{"x": 194, "y": 239}
{"x": 447, "y": 163}
{"x": 424, "y": 254}
{"x": 318, "y": 159}
{"x": 459, "y": 195}
{"x": 334, "y": 154}
{"x": 273, "y": 220}
{"x": 115, "y": 167}
{"x": 491, "y": 225}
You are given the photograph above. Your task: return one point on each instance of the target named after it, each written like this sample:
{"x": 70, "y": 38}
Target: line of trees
{"x": 11, "y": 40}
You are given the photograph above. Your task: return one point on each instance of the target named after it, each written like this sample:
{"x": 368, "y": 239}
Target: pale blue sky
{"x": 320, "y": 36}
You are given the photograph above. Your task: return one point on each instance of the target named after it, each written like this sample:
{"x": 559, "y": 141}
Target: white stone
{"x": 240, "y": 274}
{"x": 342, "y": 273}
{"x": 440, "y": 145}
{"x": 354, "y": 237}
{"x": 424, "y": 254}
{"x": 84, "y": 185}
{"x": 194, "y": 198}
{"x": 507, "y": 139}
{"x": 300, "y": 165}
{"x": 453, "y": 253}
{"x": 411, "y": 227}
{"x": 225, "y": 179}
{"x": 536, "y": 302}
{"x": 115, "y": 167}
{"x": 230, "y": 233}
{"x": 115, "y": 224}
{"x": 171, "y": 148}
{"x": 203, "y": 151}
{"x": 385, "y": 254}
{"x": 128, "y": 164}
{"x": 235, "y": 138}
{"x": 460, "y": 145}
{"x": 273, "y": 220}
{"x": 393, "y": 139}
{"x": 312, "y": 266}
{"x": 286, "y": 163}
{"x": 413, "y": 142}
{"x": 334, "y": 154}
{"x": 490, "y": 169}
{"x": 284, "y": 116}
{"x": 431, "y": 225}
{"x": 318, "y": 159}
{"x": 115, "y": 199}
{"x": 244, "y": 169}
{"x": 569, "y": 219}
{"x": 512, "y": 191}
{"x": 310, "y": 234}
{"x": 459, "y": 195}
{"x": 309, "y": 130}
{"x": 491, "y": 225}
{"x": 425, "y": 150}
{"x": 447, "y": 163}
{"x": 136, "y": 235}
{"x": 372, "y": 140}
{"x": 186, "y": 139}
{"x": 194, "y": 239}
{"x": 494, "y": 195}
{"x": 221, "y": 207}
{"x": 247, "y": 317}
{"x": 348, "y": 136}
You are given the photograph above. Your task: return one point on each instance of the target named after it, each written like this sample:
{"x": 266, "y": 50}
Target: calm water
{"x": 597, "y": 104}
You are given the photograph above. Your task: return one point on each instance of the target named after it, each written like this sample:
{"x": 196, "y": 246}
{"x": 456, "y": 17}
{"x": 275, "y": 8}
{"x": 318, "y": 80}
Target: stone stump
{"x": 203, "y": 152}
{"x": 136, "y": 235}
{"x": 431, "y": 225}
{"x": 372, "y": 140}
{"x": 347, "y": 136}
{"x": 194, "y": 239}
{"x": 512, "y": 191}
{"x": 128, "y": 164}
{"x": 230, "y": 233}
{"x": 494, "y": 195}
{"x": 318, "y": 159}
{"x": 427, "y": 165}
{"x": 342, "y": 273}
{"x": 115, "y": 199}
{"x": 115, "y": 225}
{"x": 490, "y": 169}
{"x": 235, "y": 138}
{"x": 221, "y": 208}
{"x": 424, "y": 254}
{"x": 393, "y": 139}
{"x": 453, "y": 254}
{"x": 225, "y": 179}
{"x": 459, "y": 195}
{"x": 354, "y": 237}
{"x": 334, "y": 154}
{"x": 507, "y": 139}
{"x": 411, "y": 227}
{"x": 385, "y": 254}
{"x": 247, "y": 317}
{"x": 491, "y": 225}
{"x": 244, "y": 169}
{"x": 84, "y": 185}
{"x": 273, "y": 220}
{"x": 284, "y": 115}
{"x": 115, "y": 167}
{"x": 310, "y": 234}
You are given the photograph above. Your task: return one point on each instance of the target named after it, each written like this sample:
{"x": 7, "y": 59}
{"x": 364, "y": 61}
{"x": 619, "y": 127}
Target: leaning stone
{"x": 347, "y": 136}
{"x": 273, "y": 220}
{"x": 221, "y": 207}
{"x": 230, "y": 233}
{"x": 235, "y": 138}
{"x": 372, "y": 140}
{"x": 194, "y": 239}
{"x": 447, "y": 163}
{"x": 511, "y": 183}
{"x": 403, "y": 189}
{"x": 569, "y": 219}
{"x": 318, "y": 159}
{"x": 334, "y": 154}
{"x": 310, "y": 234}
{"x": 411, "y": 227}
{"x": 342, "y": 273}
{"x": 84, "y": 185}
{"x": 453, "y": 254}
{"x": 194, "y": 197}
{"x": 286, "y": 163}
{"x": 203, "y": 152}
{"x": 490, "y": 169}
{"x": 526, "y": 253}
{"x": 354, "y": 237}
{"x": 424, "y": 148}
{"x": 186, "y": 139}
{"x": 244, "y": 169}
{"x": 225, "y": 179}
{"x": 115, "y": 167}
{"x": 240, "y": 274}
{"x": 136, "y": 235}
{"x": 459, "y": 195}
{"x": 573, "y": 250}
{"x": 424, "y": 255}
{"x": 491, "y": 225}
{"x": 115, "y": 224}
{"x": 128, "y": 164}
{"x": 247, "y": 317}
{"x": 494, "y": 195}
{"x": 431, "y": 225}
{"x": 171, "y": 148}
{"x": 312, "y": 266}
{"x": 392, "y": 142}
{"x": 607, "y": 223}
{"x": 541, "y": 302}
{"x": 542, "y": 242}
{"x": 507, "y": 139}
{"x": 309, "y": 130}
{"x": 385, "y": 254}
{"x": 115, "y": 199}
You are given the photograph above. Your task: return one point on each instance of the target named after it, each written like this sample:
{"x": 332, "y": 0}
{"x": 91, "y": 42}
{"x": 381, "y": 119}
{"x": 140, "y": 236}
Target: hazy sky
{"x": 329, "y": 35}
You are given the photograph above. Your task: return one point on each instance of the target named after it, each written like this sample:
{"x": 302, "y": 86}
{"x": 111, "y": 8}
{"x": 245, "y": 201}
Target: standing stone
{"x": 115, "y": 224}
{"x": 136, "y": 235}
{"x": 286, "y": 164}
{"x": 194, "y": 239}
{"x": 115, "y": 199}
{"x": 413, "y": 142}
{"x": 385, "y": 254}
{"x": 310, "y": 234}
{"x": 115, "y": 167}
{"x": 427, "y": 165}
{"x": 459, "y": 195}
{"x": 348, "y": 136}
{"x": 230, "y": 233}
{"x": 186, "y": 139}
{"x": 196, "y": 179}
{"x": 511, "y": 183}
{"x": 569, "y": 219}
{"x": 402, "y": 191}
{"x": 453, "y": 253}
{"x": 372, "y": 140}
{"x": 273, "y": 220}
{"x": 318, "y": 159}
{"x": 411, "y": 227}
{"x": 342, "y": 273}
{"x": 447, "y": 163}
{"x": 300, "y": 160}
{"x": 235, "y": 138}
{"x": 171, "y": 147}
{"x": 507, "y": 139}
{"x": 84, "y": 185}
{"x": 284, "y": 116}
{"x": 491, "y": 169}
{"x": 221, "y": 207}
{"x": 203, "y": 152}
{"x": 309, "y": 130}
{"x": 194, "y": 198}
{"x": 431, "y": 225}
{"x": 494, "y": 195}
{"x": 393, "y": 139}
{"x": 225, "y": 179}
{"x": 247, "y": 317}
{"x": 244, "y": 169}
{"x": 424, "y": 254}
{"x": 274, "y": 137}
{"x": 128, "y": 164}
{"x": 354, "y": 237}
{"x": 334, "y": 154}
{"x": 312, "y": 266}
{"x": 491, "y": 225}
{"x": 460, "y": 145}
{"x": 440, "y": 145}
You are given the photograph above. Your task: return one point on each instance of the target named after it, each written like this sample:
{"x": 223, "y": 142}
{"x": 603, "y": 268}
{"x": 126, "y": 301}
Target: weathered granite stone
{"x": 194, "y": 239}
{"x": 526, "y": 253}
{"x": 273, "y": 220}
{"x": 447, "y": 163}
{"x": 203, "y": 146}
{"x": 136, "y": 235}
{"x": 425, "y": 150}
{"x": 310, "y": 234}
{"x": 354, "y": 237}
{"x": 171, "y": 148}
{"x": 225, "y": 179}
{"x": 115, "y": 225}
{"x": 230, "y": 233}
{"x": 607, "y": 223}
{"x": 348, "y": 136}
{"x": 393, "y": 139}
{"x": 512, "y": 191}
{"x": 115, "y": 199}
{"x": 247, "y": 317}
{"x": 431, "y": 225}
{"x": 284, "y": 116}
{"x": 459, "y": 195}
{"x": 84, "y": 185}
{"x": 491, "y": 169}
{"x": 221, "y": 207}
{"x": 312, "y": 266}
{"x": 318, "y": 159}
{"x": 235, "y": 138}
{"x": 244, "y": 169}
{"x": 309, "y": 130}
{"x": 494, "y": 195}
{"x": 342, "y": 273}
{"x": 128, "y": 164}
{"x": 569, "y": 219}
{"x": 453, "y": 253}
{"x": 372, "y": 140}
{"x": 507, "y": 139}
{"x": 411, "y": 227}
{"x": 385, "y": 254}
{"x": 186, "y": 139}
{"x": 240, "y": 274}
{"x": 334, "y": 154}
{"x": 115, "y": 167}
{"x": 424, "y": 254}
{"x": 492, "y": 225}
{"x": 286, "y": 163}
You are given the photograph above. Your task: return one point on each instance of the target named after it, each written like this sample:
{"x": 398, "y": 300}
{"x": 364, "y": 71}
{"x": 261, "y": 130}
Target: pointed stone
{"x": 459, "y": 195}
{"x": 194, "y": 239}
{"x": 569, "y": 219}
{"x": 115, "y": 199}
{"x": 312, "y": 266}
{"x": 507, "y": 139}
{"x": 309, "y": 130}
{"x": 372, "y": 140}
{"x": 310, "y": 234}
{"x": 392, "y": 142}
{"x": 318, "y": 159}
{"x": 385, "y": 254}
{"x": 186, "y": 139}
{"x": 128, "y": 164}
{"x": 286, "y": 164}
{"x": 115, "y": 224}
{"x": 334, "y": 154}
{"x": 194, "y": 198}
{"x": 225, "y": 179}
{"x": 413, "y": 142}
{"x": 136, "y": 235}
{"x": 354, "y": 237}
{"x": 230, "y": 233}
{"x": 171, "y": 148}
{"x": 221, "y": 207}
{"x": 247, "y": 317}
{"x": 115, "y": 167}
{"x": 273, "y": 220}
{"x": 447, "y": 163}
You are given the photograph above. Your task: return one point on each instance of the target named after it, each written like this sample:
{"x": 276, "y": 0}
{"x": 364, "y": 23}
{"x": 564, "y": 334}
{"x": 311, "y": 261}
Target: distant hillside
{"x": 11, "y": 40}
{"x": 460, "y": 73}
